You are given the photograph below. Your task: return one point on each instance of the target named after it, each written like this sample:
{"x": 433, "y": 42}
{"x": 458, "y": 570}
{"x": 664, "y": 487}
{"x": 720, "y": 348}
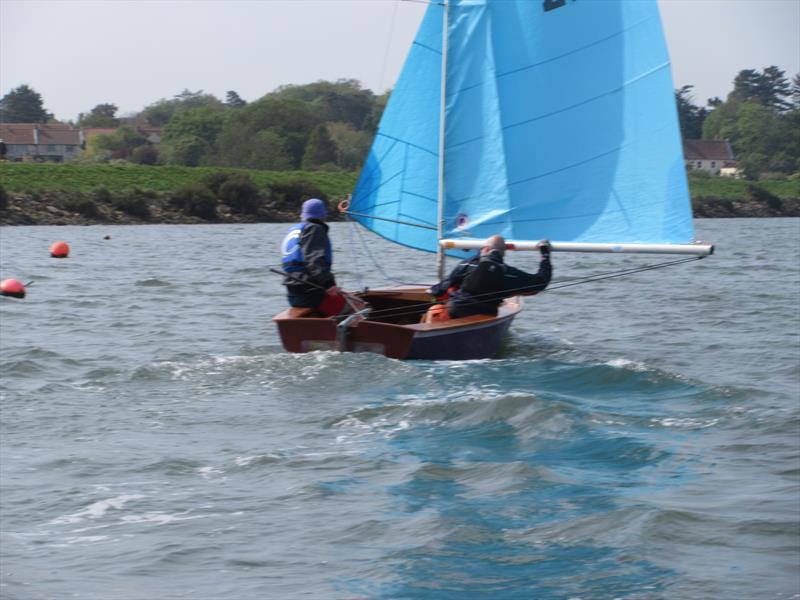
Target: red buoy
{"x": 13, "y": 288}
{"x": 59, "y": 250}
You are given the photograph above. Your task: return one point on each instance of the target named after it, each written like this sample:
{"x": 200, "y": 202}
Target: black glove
{"x": 544, "y": 249}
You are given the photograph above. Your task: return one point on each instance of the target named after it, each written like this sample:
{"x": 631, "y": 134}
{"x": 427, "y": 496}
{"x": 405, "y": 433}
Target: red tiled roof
{"x": 49, "y": 133}
{"x": 707, "y": 150}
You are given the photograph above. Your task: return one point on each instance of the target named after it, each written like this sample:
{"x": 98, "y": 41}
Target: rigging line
{"x": 354, "y": 255}
{"x": 368, "y": 252}
{"x": 632, "y": 269}
{"x": 409, "y": 223}
{"x": 392, "y": 27}
{"x": 395, "y": 312}
{"x": 602, "y": 276}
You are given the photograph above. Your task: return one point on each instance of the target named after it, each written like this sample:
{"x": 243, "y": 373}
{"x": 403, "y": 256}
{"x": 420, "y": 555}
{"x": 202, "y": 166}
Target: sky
{"x": 131, "y": 53}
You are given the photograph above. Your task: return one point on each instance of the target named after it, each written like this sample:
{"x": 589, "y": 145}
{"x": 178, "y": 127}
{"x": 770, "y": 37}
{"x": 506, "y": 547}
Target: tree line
{"x": 330, "y": 125}
{"x": 318, "y": 126}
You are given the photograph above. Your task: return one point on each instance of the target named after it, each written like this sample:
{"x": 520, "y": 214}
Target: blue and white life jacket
{"x": 292, "y": 258}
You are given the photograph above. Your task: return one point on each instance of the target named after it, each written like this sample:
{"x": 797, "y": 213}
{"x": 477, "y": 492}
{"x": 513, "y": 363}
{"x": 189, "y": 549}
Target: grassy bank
{"x": 33, "y": 177}
{"x": 41, "y": 177}
{"x": 54, "y": 194}
{"x": 727, "y": 188}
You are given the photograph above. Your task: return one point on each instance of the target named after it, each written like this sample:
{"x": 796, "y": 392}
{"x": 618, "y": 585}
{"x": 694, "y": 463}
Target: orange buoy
{"x": 13, "y": 288}
{"x": 59, "y": 250}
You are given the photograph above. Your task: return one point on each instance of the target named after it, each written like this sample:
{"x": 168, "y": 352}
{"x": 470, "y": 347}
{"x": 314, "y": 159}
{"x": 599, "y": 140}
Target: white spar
{"x": 696, "y": 249}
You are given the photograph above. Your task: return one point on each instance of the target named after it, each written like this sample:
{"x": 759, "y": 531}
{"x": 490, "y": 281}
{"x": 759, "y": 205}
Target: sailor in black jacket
{"x": 307, "y": 258}
{"x": 479, "y": 284}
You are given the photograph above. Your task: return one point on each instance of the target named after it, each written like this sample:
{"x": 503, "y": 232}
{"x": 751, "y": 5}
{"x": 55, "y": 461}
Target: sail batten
{"x": 558, "y": 124}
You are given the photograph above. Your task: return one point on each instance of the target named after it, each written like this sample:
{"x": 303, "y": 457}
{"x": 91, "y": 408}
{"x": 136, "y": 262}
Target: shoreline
{"x": 54, "y": 208}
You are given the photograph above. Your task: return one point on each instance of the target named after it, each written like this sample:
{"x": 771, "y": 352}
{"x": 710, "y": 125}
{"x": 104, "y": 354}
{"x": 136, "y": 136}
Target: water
{"x": 638, "y": 438}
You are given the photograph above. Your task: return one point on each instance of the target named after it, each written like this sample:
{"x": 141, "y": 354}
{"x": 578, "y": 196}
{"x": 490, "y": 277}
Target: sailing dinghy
{"x": 532, "y": 119}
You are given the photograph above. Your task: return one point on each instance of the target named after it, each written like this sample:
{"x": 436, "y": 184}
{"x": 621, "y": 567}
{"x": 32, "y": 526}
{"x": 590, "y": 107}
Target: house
{"x": 711, "y": 156}
{"x": 40, "y": 141}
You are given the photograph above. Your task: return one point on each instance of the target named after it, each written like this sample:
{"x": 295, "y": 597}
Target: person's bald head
{"x": 495, "y": 243}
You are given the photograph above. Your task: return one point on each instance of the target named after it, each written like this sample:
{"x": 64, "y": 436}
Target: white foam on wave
{"x": 245, "y": 461}
{"x": 97, "y": 509}
{"x": 86, "y": 539}
{"x": 158, "y": 518}
{"x": 624, "y": 363}
{"x": 214, "y": 365}
{"x": 211, "y": 472}
{"x": 685, "y": 423}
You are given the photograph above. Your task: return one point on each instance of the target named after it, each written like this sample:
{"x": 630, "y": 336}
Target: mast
{"x": 440, "y": 195}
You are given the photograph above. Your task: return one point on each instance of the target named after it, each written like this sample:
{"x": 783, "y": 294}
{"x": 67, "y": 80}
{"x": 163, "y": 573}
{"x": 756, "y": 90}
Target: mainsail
{"x": 560, "y": 124}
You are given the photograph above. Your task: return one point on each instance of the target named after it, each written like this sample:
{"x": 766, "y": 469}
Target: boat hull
{"x": 396, "y": 331}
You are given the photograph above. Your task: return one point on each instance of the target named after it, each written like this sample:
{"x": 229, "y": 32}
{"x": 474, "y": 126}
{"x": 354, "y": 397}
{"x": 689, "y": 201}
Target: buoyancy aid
{"x": 292, "y": 259}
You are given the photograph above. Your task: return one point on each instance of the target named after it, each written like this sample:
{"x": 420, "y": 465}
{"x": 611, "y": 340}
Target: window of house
{"x": 713, "y": 164}
{"x": 699, "y": 164}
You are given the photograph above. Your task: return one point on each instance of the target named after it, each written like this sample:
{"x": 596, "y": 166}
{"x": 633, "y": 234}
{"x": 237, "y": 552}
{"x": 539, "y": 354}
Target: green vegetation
{"x": 30, "y": 177}
{"x": 235, "y": 161}
{"x": 728, "y": 188}
{"x": 116, "y": 178}
{"x": 760, "y": 118}
{"x": 23, "y": 105}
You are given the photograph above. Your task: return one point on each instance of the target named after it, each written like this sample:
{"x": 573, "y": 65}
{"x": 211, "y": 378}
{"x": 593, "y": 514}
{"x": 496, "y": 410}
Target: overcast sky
{"x": 131, "y": 53}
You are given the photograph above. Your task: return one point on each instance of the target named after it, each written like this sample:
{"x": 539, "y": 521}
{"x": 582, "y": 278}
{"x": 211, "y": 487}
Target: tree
{"x": 344, "y": 100}
{"x": 23, "y": 105}
{"x": 161, "y": 112}
{"x": 233, "y": 100}
{"x": 796, "y": 91}
{"x": 320, "y": 149}
{"x": 352, "y": 145}
{"x": 146, "y": 154}
{"x": 690, "y": 117}
{"x": 769, "y": 88}
{"x": 187, "y": 100}
{"x": 761, "y": 140}
{"x": 202, "y": 122}
{"x": 102, "y": 115}
{"x": 189, "y": 151}
{"x": 119, "y": 144}
{"x": 271, "y": 152}
{"x": 288, "y": 120}
{"x": 373, "y": 119}
{"x": 190, "y": 136}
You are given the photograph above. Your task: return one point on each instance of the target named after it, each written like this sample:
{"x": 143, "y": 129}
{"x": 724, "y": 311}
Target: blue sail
{"x": 560, "y": 124}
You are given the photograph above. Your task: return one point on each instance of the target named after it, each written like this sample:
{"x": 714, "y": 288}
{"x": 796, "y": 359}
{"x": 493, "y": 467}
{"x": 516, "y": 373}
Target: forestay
{"x": 560, "y": 124}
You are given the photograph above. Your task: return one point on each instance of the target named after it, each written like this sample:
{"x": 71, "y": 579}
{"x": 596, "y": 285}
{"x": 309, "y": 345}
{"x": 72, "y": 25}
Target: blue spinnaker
{"x": 560, "y": 124}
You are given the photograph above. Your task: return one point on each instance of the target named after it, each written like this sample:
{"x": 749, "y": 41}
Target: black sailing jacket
{"x": 317, "y": 258}
{"x": 483, "y": 282}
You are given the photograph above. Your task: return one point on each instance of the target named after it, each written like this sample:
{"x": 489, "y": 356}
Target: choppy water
{"x": 638, "y": 438}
